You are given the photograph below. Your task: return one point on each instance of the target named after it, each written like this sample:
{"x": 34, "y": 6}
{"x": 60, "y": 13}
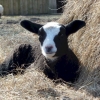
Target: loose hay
{"x": 86, "y": 42}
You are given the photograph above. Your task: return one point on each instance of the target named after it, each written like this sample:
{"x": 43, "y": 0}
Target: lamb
{"x": 50, "y": 54}
{"x": 1, "y": 10}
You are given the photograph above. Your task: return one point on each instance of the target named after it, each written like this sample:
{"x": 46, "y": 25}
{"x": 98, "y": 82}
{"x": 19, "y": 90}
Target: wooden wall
{"x": 52, "y": 6}
{"x": 25, "y": 7}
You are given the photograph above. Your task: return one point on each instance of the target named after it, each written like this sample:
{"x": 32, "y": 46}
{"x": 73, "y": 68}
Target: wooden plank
{"x": 15, "y": 7}
{"x": 39, "y": 7}
{"x": 44, "y": 6}
{"x": 52, "y": 6}
{"x": 29, "y": 7}
{"x": 23, "y": 7}
{"x": 35, "y": 7}
{"x": 10, "y": 7}
{"x": 5, "y": 5}
{"x": 26, "y": 6}
{"x": 32, "y": 7}
{"x": 19, "y": 8}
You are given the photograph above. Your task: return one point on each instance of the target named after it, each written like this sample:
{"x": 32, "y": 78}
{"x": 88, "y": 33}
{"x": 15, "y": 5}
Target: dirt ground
{"x": 32, "y": 85}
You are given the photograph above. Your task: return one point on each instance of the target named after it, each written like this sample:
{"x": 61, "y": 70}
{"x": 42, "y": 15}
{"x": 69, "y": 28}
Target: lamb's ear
{"x": 30, "y": 26}
{"x": 74, "y": 26}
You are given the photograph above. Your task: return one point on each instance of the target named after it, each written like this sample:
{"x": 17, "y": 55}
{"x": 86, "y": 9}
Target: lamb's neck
{"x": 70, "y": 56}
{"x": 53, "y": 61}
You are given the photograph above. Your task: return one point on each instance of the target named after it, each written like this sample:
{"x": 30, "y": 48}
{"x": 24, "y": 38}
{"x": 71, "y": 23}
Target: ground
{"x": 32, "y": 85}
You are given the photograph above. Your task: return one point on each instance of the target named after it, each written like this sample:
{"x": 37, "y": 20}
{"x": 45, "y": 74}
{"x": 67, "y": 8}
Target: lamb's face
{"x": 53, "y": 40}
{"x": 53, "y": 36}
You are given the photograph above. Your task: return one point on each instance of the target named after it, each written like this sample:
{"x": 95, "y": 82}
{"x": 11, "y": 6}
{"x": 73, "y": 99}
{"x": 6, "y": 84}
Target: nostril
{"x": 48, "y": 48}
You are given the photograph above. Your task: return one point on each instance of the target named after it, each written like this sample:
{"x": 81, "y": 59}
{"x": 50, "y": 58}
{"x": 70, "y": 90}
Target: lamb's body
{"x": 65, "y": 67}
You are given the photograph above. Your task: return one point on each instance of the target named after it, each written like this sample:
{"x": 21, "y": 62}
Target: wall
{"x": 25, "y": 7}
{"x": 52, "y": 6}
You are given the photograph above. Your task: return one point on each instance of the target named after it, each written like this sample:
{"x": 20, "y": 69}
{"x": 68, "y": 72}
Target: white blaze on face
{"x": 51, "y": 29}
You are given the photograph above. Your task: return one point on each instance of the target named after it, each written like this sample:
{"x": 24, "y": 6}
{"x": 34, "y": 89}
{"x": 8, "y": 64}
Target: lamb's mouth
{"x": 50, "y": 52}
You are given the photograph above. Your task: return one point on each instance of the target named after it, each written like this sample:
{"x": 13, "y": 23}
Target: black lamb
{"x": 50, "y": 54}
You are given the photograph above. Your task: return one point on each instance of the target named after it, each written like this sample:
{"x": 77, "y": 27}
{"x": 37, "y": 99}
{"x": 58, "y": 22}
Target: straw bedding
{"x": 86, "y": 42}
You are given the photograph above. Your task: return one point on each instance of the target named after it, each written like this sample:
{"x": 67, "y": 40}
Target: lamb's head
{"x": 53, "y": 36}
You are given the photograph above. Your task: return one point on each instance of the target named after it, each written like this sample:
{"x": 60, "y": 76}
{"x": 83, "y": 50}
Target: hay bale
{"x": 86, "y": 42}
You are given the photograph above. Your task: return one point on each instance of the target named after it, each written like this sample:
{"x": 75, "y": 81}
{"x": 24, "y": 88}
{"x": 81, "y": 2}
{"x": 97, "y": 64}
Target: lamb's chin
{"x": 50, "y": 56}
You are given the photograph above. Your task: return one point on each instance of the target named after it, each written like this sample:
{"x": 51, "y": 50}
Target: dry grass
{"x": 32, "y": 85}
{"x": 86, "y": 42}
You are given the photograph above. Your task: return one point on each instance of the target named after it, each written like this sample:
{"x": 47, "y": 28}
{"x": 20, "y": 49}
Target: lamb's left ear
{"x": 74, "y": 26}
{"x": 32, "y": 27}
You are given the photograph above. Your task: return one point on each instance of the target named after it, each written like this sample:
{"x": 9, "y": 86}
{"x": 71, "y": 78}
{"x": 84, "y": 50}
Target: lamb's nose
{"x": 49, "y": 48}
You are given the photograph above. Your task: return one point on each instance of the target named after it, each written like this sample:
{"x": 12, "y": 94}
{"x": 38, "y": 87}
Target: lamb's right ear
{"x": 32, "y": 27}
{"x": 74, "y": 26}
